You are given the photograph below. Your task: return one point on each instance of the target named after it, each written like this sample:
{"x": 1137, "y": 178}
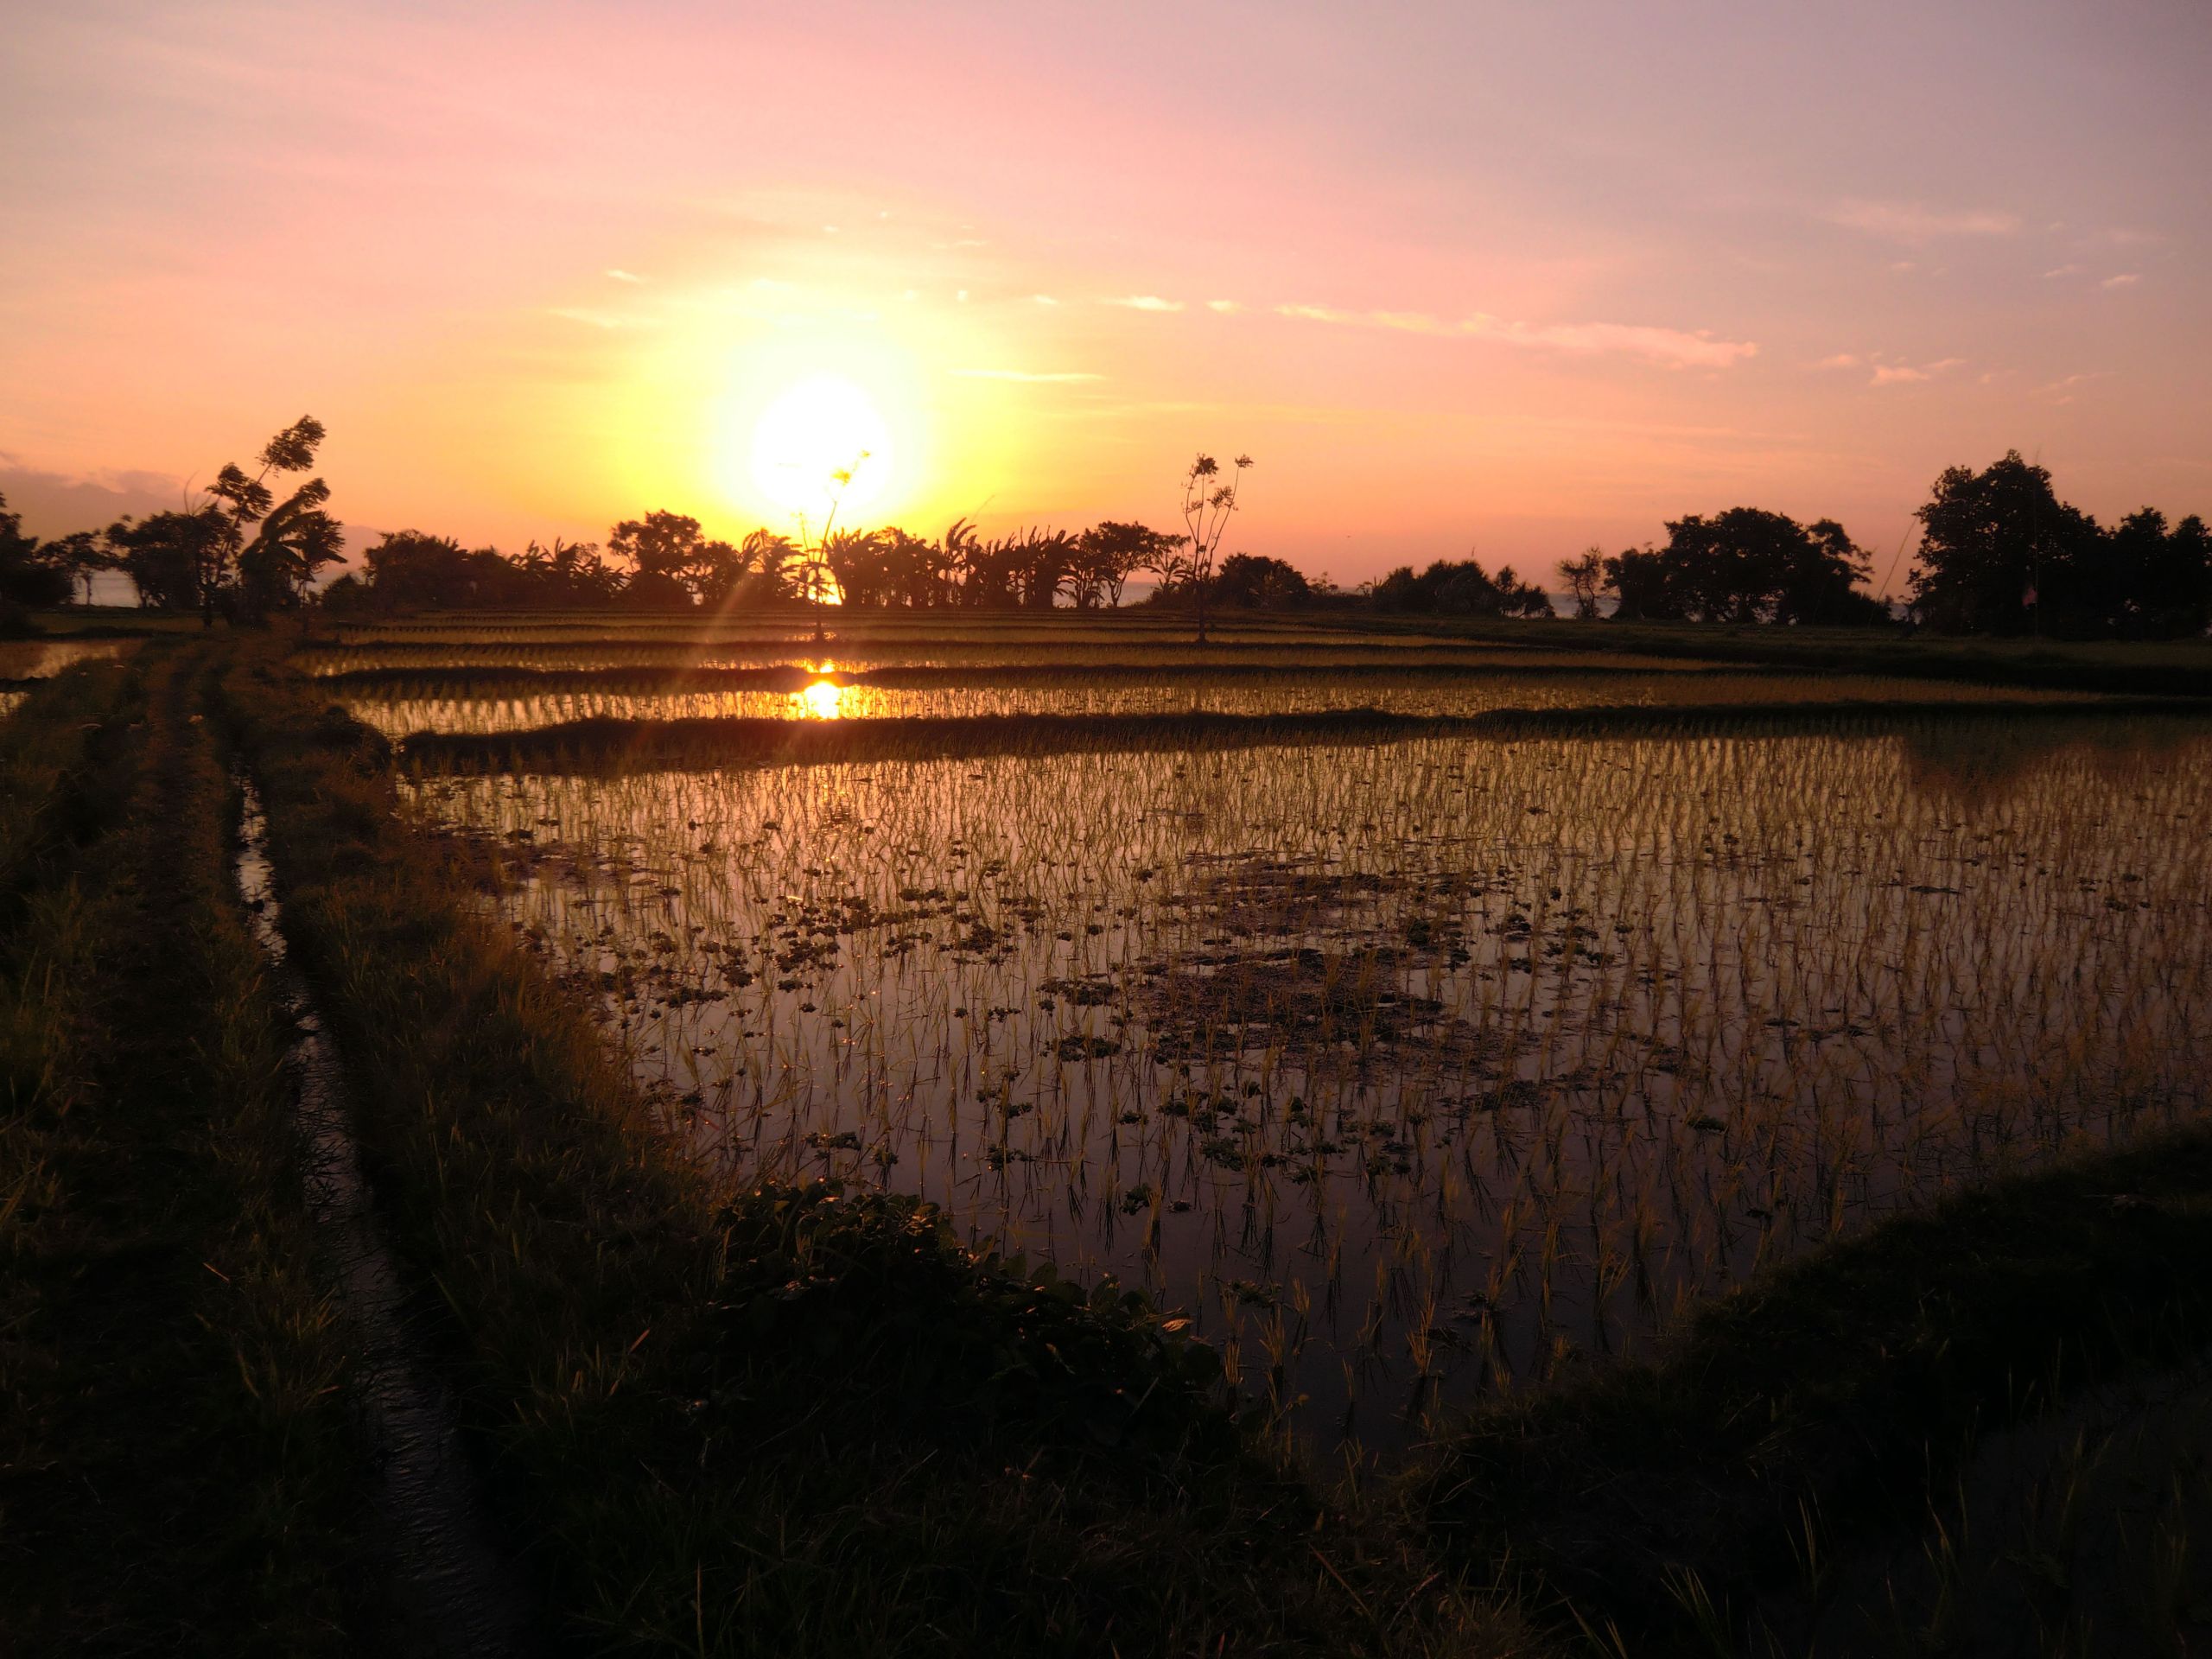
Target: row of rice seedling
{"x": 975, "y": 628}
{"x": 845, "y": 652}
{"x": 1411, "y": 1068}
{"x": 482, "y": 680}
{"x": 1421, "y": 696}
{"x": 598, "y": 746}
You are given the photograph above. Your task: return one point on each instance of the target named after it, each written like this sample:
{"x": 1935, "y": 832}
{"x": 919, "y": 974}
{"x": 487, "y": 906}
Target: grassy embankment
{"x": 1700, "y": 1500}
{"x": 176, "y": 1466}
{"x": 791, "y": 1420}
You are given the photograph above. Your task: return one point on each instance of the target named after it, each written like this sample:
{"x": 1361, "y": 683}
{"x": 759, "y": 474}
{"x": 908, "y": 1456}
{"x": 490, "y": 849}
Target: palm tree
{"x": 856, "y": 563}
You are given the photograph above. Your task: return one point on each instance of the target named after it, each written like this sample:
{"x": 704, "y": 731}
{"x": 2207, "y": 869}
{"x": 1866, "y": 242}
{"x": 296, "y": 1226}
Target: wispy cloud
{"x": 1907, "y": 374}
{"x": 1330, "y": 314}
{"x": 1674, "y": 348}
{"x": 2061, "y": 391}
{"x": 1147, "y": 302}
{"x": 620, "y": 276}
{"x": 1029, "y": 377}
{"x": 1840, "y": 360}
{"x": 1227, "y": 307}
{"x": 2124, "y": 279}
{"x": 1912, "y": 221}
{"x": 2057, "y": 272}
{"x": 1042, "y": 299}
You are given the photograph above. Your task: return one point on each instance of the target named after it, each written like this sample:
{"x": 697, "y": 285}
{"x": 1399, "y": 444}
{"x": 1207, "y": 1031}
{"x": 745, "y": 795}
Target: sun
{"x": 821, "y": 428}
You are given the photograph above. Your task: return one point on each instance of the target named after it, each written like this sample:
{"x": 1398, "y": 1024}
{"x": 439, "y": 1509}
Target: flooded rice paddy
{"x": 415, "y": 707}
{"x": 1405, "y": 1069}
{"x": 41, "y": 659}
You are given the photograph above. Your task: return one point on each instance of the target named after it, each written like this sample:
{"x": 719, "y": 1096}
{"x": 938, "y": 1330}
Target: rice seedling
{"x": 1407, "y": 1070}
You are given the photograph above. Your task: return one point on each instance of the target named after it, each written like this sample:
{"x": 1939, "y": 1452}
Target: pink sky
{"x": 1497, "y": 277}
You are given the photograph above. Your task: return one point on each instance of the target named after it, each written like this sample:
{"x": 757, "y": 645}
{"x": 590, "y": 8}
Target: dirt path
{"x": 457, "y": 1586}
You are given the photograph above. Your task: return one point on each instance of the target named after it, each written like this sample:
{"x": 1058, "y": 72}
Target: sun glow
{"x": 821, "y": 444}
{"x": 824, "y": 700}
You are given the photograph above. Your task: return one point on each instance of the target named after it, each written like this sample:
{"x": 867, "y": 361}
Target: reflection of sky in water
{"x": 1640, "y": 1014}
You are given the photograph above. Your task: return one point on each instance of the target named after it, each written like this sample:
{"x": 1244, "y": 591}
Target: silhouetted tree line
{"x": 1460, "y": 588}
{"x": 666, "y": 561}
{"x": 33, "y": 573}
{"x": 1999, "y": 553}
{"x": 241, "y": 551}
{"x": 1744, "y": 565}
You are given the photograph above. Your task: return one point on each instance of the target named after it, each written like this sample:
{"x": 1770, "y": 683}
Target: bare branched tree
{"x": 1209, "y": 498}
{"x": 817, "y": 579}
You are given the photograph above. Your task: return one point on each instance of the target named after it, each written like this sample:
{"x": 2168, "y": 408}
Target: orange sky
{"x": 1487, "y": 276}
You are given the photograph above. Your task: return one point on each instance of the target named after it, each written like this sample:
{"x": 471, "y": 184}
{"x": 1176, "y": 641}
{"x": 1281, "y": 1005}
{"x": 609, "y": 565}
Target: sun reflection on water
{"x": 823, "y": 699}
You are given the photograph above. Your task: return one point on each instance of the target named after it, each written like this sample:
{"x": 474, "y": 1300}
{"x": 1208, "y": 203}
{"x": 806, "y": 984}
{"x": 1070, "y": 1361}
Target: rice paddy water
{"x": 1405, "y": 1070}
{"x": 24, "y": 660}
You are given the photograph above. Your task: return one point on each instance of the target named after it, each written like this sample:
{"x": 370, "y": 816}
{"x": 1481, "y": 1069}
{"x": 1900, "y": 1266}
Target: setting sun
{"x": 824, "y": 700}
{"x": 822, "y": 427}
